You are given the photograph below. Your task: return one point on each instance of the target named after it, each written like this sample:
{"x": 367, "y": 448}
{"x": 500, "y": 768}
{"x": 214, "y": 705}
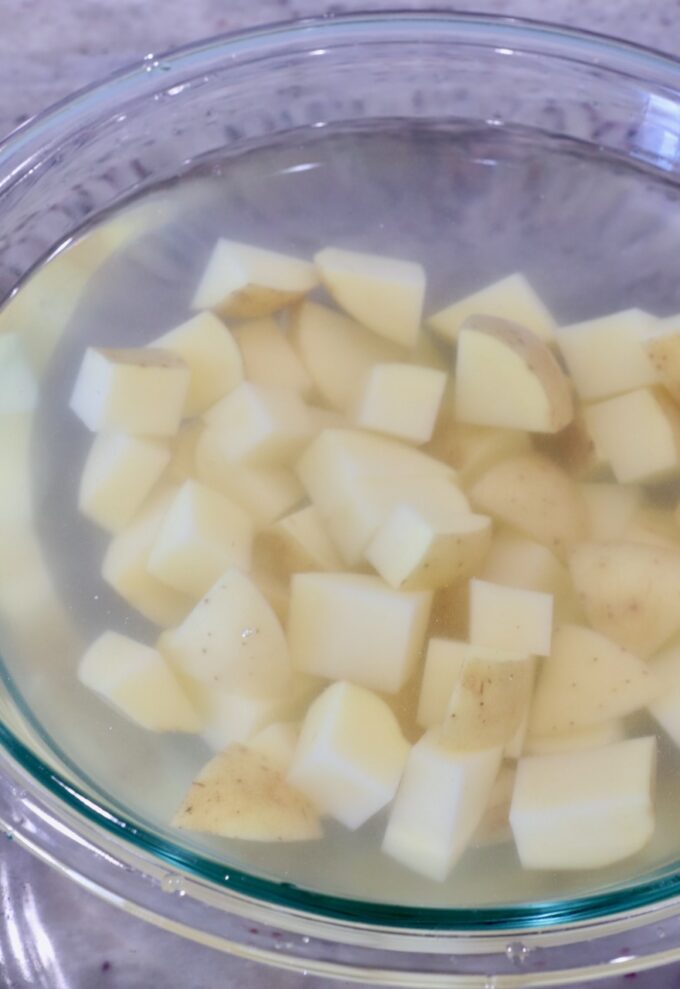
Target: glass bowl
{"x": 142, "y": 129}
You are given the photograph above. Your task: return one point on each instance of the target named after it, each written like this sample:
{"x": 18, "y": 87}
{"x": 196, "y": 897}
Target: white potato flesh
{"x": 516, "y": 561}
{"x": 141, "y": 391}
{"x": 577, "y": 739}
{"x": 512, "y": 297}
{"x": 665, "y": 708}
{"x": 182, "y": 464}
{"x": 401, "y": 400}
{"x": 350, "y": 754}
{"x": 663, "y": 348}
{"x": 494, "y": 827}
{"x": 354, "y": 627}
{"x": 584, "y": 810}
{"x": 119, "y": 473}
{"x": 440, "y": 802}
{"x": 384, "y": 294}
{"x": 653, "y": 525}
{"x": 444, "y": 663}
{"x": 245, "y": 281}
{"x": 510, "y": 618}
{"x": 297, "y": 543}
{"x": 277, "y": 743}
{"x": 471, "y": 450}
{"x": 610, "y": 509}
{"x": 138, "y": 682}
{"x": 269, "y": 357}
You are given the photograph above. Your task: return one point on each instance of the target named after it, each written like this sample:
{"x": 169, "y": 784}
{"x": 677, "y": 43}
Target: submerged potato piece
{"x": 506, "y": 376}
{"x": 630, "y": 592}
{"x": 576, "y": 739}
{"x": 663, "y": 349}
{"x": 139, "y": 390}
{"x": 384, "y": 294}
{"x": 182, "y": 464}
{"x": 534, "y": 495}
{"x": 297, "y": 543}
{"x": 450, "y": 611}
{"x": 494, "y": 827}
{"x": 510, "y": 618}
{"x": 511, "y": 297}
{"x": 269, "y": 358}
{"x": 471, "y": 450}
{"x": 574, "y": 449}
{"x": 610, "y": 509}
{"x": 241, "y": 794}
{"x": 444, "y": 663}
{"x": 245, "y": 281}
{"x": 665, "y": 708}
{"x": 18, "y": 381}
{"x": 516, "y": 561}
{"x": 654, "y": 525}
{"x": 584, "y": 810}
{"x": 402, "y": 400}
{"x": 277, "y": 743}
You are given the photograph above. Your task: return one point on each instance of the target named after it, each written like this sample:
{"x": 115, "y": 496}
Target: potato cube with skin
{"x": 137, "y": 681}
{"x": 511, "y": 297}
{"x": 574, "y": 449}
{"x": 257, "y": 425}
{"x": 269, "y": 358}
{"x": 141, "y": 391}
{"x": 119, "y": 473}
{"x": 471, "y": 450}
{"x": 515, "y": 561}
{"x": 638, "y": 433}
{"x": 665, "y": 708}
{"x": 510, "y": 618}
{"x": 610, "y": 509}
{"x": 202, "y": 535}
{"x": 350, "y": 754}
{"x": 584, "y": 810}
{"x": 663, "y": 348}
{"x": 444, "y": 664}
{"x": 245, "y": 281}
{"x": 354, "y": 627}
{"x": 507, "y": 377}
{"x": 212, "y": 355}
{"x": 608, "y": 355}
{"x": 402, "y": 400}
{"x": 440, "y": 802}
{"x": 297, "y": 543}
{"x": 277, "y": 743}
{"x": 384, "y": 294}
{"x": 576, "y": 739}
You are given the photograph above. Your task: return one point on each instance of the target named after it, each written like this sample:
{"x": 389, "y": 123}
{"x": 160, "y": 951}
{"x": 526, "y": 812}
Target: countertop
{"x": 48, "y": 48}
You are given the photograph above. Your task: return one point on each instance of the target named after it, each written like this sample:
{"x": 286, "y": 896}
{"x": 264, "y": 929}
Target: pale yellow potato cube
{"x": 137, "y": 681}
{"x": 608, "y": 355}
{"x": 245, "y": 281}
{"x": 182, "y": 464}
{"x": 577, "y": 739}
{"x": 584, "y": 810}
{"x": 202, "y": 535}
{"x": 275, "y": 590}
{"x": 384, "y": 294}
{"x": 354, "y": 627}
{"x": 297, "y": 543}
{"x": 471, "y": 450}
{"x": 269, "y": 357}
{"x": 665, "y": 708}
{"x": 610, "y": 508}
{"x": 277, "y": 743}
{"x": 119, "y": 473}
{"x": 401, "y": 400}
{"x": 511, "y": 297}
{"x": 516, "y": 561}
{"x": 663, "y": 348}
{"x": 212, "y": 355}
{"x": 654, "y": 525}
{"x": 494, "y": 827}
{"x": 574, "y": 449}
{"x": 350, "y": 754}
{"x": 510, "y": 618}
{"x": 450, "y": 610}
{"x": 139, "y": 390}
{"x": 444, "y": 663}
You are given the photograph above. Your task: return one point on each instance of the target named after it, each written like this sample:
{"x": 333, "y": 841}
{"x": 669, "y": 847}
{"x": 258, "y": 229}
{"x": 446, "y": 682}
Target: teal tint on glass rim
{"x": 146, "y": 126}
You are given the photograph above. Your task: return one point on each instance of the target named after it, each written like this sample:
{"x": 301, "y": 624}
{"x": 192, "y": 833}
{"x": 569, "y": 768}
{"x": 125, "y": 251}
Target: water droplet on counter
{"x": 172, "y": 884}
{"x": 305, "y": 939}
{"x": 517, "y": 952}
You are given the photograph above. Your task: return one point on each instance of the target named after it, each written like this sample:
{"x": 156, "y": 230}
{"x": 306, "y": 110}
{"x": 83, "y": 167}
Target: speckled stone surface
{"x": 48, "y": 48}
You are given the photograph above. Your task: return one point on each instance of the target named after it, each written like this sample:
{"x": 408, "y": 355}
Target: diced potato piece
{"x": 269, "y": 358}
{"x": 202, "y": 535}
{"x": 610, "y": 509}
{"x": 473, "y": 449}
{"x": 119, "y": 473}
{"x": 574, "y": 449}
{"x": 182, "y": 464}
{"x": 402, "y": 400}
{"x": 138, "y": 682}
{"x": 584, "y": 810}
{"x": 297, "y": 543}
{"x": 384, "y": 294}
{"x": 606, "y": 356}
{"x": 417, "y": 550}
{"x": 506, "y": 376}
{"x": 241, "y": 794}
{"x": 494, "y": 827}
{"x": 510, "y": 618}
{"x": 577, "y": 739}
{"x": 245, "y": 281}
{"x": 439, "y": 804}
{"x": 663, "y": 349}
{"x": 586, "y": 680}
{"x": 232, "y": 639}
{"x": 444, "y": 663}
{"x": 665, "y": 708}
{"x": 534, "y": 495}
{"x": 275, "y": 591}
{"x": 630, "y": 592}
{"x": 125, "y": 566}
{"x": 511, "y": 297}
{"x": 638, "y": 433}
{"x": 258, "y": 425}
{"x": 354, "y": 627}
{"x": 515, "y": 561}
{"x": 653, "y": 525}
{"x": 277, "y": 743}
{"x": 450, "y": 611}
{"x": 140, "y": 391}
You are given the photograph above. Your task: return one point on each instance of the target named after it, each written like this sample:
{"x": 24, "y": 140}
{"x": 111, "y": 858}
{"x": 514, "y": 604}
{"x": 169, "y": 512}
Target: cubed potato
{"x": 515, "y": 561}
{"x": 630, "y": 592}
{"x": 450, "y": 612}
{"x": 297, "y": 543}
{"x": 584, "y": 810}
{"x": 275, "y": 591}
{"x": 494, "y": 827}
{"x": 511, "y": 297}
{"x": 607, "y": 356}
{"x": 638, "y": 433}
{"x": 577, "y": 739}
{"x": 444, "y": 663}
{"x": 182, "y": 464}
{"x": 665, "y": 708}
{"x": 534, "y": 495}
{"x": 240, "y": 793}
{"x": 350, "y": 755}
{"x": 119, "y": 473}
{"x": 245, "y": 281}
{"x": 269, "y": 358}
{"x": 506, "y": 376}
{"x": 574, "y": 449}
{"x": 654, "y": 525}
{"x": 384, "y": 294}
{"x": 260, "y": 426}
{"x": 141, "y": 391}
{"x": 137, "y": 681}
{"x": 202, "y": 535}
{"x": 663, "y": 349}
{"x": 610, "y": 509}
{"x": 354, "y": 627}
{"x": 471, "y": 450}
{"x": 401, "y": 400}
{"x": 277, "y": 743}
{"x": 586, "y": 680}
{"x": 439, "y": 804}
{"x": 510, "y": 618}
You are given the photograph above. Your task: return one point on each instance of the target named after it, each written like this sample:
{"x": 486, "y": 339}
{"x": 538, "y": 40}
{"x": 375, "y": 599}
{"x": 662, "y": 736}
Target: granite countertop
{"x": 47, "y": 50}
